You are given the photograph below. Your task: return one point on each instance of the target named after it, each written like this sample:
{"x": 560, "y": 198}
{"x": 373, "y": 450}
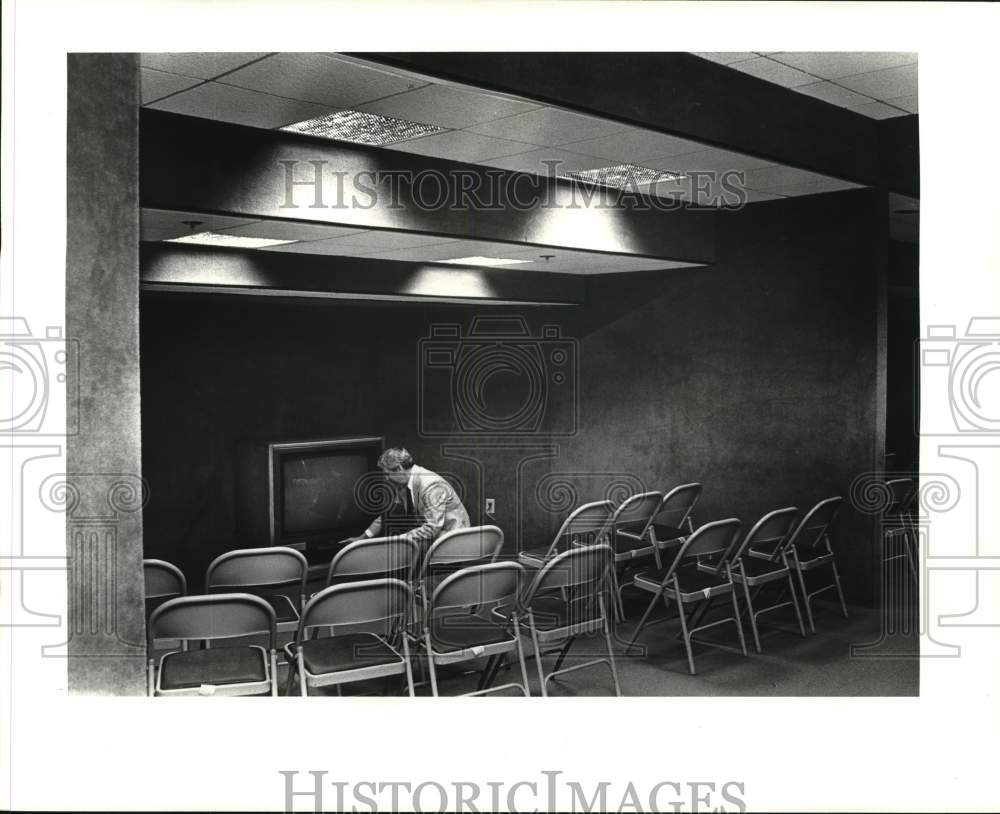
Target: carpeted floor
{"x": 821, "y": 664}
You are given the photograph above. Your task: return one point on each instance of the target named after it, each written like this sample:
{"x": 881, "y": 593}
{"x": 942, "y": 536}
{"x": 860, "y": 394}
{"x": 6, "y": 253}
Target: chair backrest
{"x": 462, "y": 547}
{"x": 901, "y": 491}
{"x": 677, "y": 505}
{"x": 774, "y": 527}
{"x": 812, "y": 531}
{"x": 716, "y": 539}
{"x": 212, "y": 616}
{"x": 163, "y": 580}
{"x": 275, "y": 567}
{"x": 373, "y": 604}
{"x": 578, "y": 571}
{"x": 635, "y": 514}
{"x": 479, "y": 586}
{"x": 375, "y": 558}
{"x": 587, "y": 523}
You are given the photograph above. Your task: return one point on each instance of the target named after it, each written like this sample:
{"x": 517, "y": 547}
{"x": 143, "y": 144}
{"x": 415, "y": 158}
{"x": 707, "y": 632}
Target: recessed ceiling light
{"x": 483, "y": 261}
{"x": 234, "y": 241}
{"x": 363, "y": 128}
{"x": 620, "y": 176}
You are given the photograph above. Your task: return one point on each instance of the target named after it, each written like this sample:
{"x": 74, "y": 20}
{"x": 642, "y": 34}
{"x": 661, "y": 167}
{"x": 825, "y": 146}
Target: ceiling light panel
{"x": 622, "y": 176}
{"x": 484, "y": 261}
{"x": 231, "y": 241}
{"x": 362, "y": 128}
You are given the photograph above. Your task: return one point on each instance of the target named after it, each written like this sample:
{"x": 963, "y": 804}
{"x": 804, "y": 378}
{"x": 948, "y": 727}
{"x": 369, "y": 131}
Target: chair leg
{"x": 406, "y": 662}
{"x": 739, "y": 624}
{"x": 538, "y": 653}
{"x": 752, "y": 615}
{"x": 795, "y": 604}
{"x": 274, "y": 674}
{"x": 563, "y": 652}
{"x": 840, "y": 592}
{"x": 684, "y": 633}
{"x": 642, "y": 621}
{"x": 805, "y": 599}
{"x": 611, "y": 653}
{"x": 430, "y": 663}
{"x": 520, "y": 656}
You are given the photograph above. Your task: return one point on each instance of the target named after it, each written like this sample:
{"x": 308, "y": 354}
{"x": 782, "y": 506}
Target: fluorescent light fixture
{"x": 363, "y": 128}
{"x": 622, "y": 176}
{"x": 484, "y": 261}
{"x": 234, "y": 241}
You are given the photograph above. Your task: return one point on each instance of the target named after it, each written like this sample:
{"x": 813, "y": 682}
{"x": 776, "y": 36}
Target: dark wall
{"x": 902, "y": 379}
{"x": 756, "y": 377}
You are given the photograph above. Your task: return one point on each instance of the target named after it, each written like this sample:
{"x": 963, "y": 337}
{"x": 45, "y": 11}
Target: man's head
{"x": 396, "y": 463}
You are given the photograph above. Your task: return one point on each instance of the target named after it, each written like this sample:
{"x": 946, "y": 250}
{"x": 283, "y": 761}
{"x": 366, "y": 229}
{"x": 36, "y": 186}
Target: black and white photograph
{"x": 563, "y": 395}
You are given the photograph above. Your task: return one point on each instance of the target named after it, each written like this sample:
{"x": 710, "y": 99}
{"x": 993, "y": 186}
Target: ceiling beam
{"x": 683, "y": 95}
{"x": 191, "y": 164}
{"x": 194, "y": 269}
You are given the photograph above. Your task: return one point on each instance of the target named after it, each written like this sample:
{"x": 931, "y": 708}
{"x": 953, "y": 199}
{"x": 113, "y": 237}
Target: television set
{"x": 294, "y": 493}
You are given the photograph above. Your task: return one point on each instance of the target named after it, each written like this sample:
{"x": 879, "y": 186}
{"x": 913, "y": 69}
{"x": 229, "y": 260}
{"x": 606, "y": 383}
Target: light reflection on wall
{"x": 432, "y": 281}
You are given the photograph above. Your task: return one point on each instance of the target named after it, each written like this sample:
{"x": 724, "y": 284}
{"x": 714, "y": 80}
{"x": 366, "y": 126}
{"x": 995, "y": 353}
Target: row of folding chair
{"x": 715, "y": 559}
{"x": 376, "y": 628}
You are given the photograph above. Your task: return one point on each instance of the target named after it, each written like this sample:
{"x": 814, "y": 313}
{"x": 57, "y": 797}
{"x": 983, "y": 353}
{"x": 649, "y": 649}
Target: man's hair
{"x": 394, "y": 459}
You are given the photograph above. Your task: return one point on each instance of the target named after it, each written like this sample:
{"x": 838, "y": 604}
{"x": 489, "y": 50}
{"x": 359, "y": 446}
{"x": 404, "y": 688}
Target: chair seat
{"x": 693, "y": 583}
{"x": 552, "y": 612}
{"x": 753, "y": 571}
{"x": 533, "y": 557}
{"x": 463, "y": 631}
{"x": 284, "y": 608}
{"x": 352, "y": 651}
{"x": 218, "y": 666}
{"x": 668, "y": 535}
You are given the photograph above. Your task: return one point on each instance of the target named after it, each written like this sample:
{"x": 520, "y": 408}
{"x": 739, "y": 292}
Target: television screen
{"x": 318, "y": 492}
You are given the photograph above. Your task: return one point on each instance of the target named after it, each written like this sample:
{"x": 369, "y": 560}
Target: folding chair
{"x": 808, "y": 549}
{"x": 630, "y": 539}
{"x": 366, "y": 620}
{"x": 263, "y": 572}
{"x": 374, "y": 558}
{"x": 716, "y": 542}
{"x": 587, "y": 524}
{"x": 163, "y": 581}
{"x": 231, "y": 670}
{"x": 566, "y": 600}
{"x": 774, "y": 528}
{"x": 673, "y": 524}
{"x": 898, "y": 533}
{"x": 455, "y": 550}
{"x": 459, "y": 624}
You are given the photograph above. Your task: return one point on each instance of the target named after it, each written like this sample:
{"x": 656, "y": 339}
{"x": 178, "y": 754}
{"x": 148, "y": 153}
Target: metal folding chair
{"x": 715, "y": 542}
{"x": 630, "y": 539}
{"x": 586, "y": 524}
{"x": 263, "y": 572}
{"x": 455, "y": 550}
{"x": 374, "y": 558}
{"x": 229, "y": 670}
{"x": 808, "y": 549}
{"x": 459, "y": 624}
{"x": 672, "y": 523}
{"x": 564, "y": 601}
{"x": 773, "y": 529}
{"x": 367, "y": 621}
{"x": 162, "y": 581}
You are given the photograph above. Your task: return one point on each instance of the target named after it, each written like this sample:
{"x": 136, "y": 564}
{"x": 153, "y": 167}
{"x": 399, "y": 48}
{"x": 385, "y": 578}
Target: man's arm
{"x": 375, "y": 528}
